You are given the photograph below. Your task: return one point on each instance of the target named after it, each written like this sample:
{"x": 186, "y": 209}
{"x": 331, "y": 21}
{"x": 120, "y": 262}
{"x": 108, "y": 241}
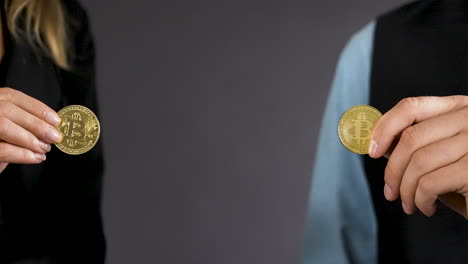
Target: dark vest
{"x": 419, "y": 49}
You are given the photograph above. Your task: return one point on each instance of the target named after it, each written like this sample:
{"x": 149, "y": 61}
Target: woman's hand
{"x": 27, "y": 128}
{"x": 430, "y": 160}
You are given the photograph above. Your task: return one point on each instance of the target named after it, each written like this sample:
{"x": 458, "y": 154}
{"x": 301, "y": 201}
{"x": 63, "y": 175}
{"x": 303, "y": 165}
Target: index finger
{"x": 30, "y": 105}
{"x": 407, "y": 112}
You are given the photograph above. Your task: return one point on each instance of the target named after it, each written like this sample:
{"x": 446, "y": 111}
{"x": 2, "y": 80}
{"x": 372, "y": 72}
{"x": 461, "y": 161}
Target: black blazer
{"x": 51, "y": 211}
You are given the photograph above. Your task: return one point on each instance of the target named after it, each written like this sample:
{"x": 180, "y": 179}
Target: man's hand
{"x": 430, "y": 160}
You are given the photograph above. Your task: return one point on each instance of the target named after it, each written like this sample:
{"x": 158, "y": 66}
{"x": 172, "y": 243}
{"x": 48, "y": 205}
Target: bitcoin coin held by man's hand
{"x": 355, "y": 127}
{"x": 80, "y": 129}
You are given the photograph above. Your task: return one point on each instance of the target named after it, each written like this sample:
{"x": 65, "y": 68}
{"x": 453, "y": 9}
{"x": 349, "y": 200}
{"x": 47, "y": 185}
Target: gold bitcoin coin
{"x": 355, "y": 127}
{"x": 80, "y": 129}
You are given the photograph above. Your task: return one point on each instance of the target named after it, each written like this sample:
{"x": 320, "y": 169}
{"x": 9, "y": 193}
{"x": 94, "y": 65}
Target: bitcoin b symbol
{"x": 362, "y": 128}
{"x": 73, "y": 128}
{"x": 78, "y": 126}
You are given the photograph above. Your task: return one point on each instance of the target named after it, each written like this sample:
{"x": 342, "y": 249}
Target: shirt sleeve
{"x": 341, "y": 225}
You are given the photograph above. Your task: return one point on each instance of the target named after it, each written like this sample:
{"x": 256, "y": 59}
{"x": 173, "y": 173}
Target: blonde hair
{"x": 42, "y": 23}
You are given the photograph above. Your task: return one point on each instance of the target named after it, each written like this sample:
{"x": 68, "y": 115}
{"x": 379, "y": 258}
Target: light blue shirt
{"x": 341, "y": 225}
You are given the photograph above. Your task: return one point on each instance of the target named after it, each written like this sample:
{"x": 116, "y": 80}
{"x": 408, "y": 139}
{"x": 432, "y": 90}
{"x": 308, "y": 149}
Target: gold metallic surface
{"x": 80, "y": 129}
{"x": 355, "y": 127}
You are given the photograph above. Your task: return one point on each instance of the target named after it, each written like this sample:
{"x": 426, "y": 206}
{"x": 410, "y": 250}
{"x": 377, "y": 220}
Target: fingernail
{"x": 53, "y": 135}
{"x": 405, "y": 208}
{"x": 388, "y": 192}
{"x": 52, "y": 118}
{"x": 39, "y": 156}
{"x": 372, "y": 148}
{"x": 44, "y": 146}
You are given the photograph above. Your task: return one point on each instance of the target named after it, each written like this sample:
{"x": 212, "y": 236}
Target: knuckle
{"x": 426, "y": 186}
{"x": 44, "y": 111}
{"x": 4, "y": 107}
{"x": 409, "y": 136}
{"x": 6, "y": 93}
{"x": 38, "y": 126}
{"x": 410, "y": 102}
{"x": 419, "y": 158}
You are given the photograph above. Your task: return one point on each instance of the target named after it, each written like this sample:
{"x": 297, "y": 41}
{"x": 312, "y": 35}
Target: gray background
{"x": 210, "y": 113}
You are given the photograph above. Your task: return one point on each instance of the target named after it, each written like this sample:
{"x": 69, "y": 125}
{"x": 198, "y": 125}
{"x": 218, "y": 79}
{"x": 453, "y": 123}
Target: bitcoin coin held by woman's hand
{"x": 355, "y": 127}
{"x": 80, "y": 129}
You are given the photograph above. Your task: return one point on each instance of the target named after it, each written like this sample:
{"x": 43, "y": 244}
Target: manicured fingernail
{"x": 388, "y": 192}
{"x": 39, "y": 156}
{"x": 44, "y": 146}
{"x": 53, "y": 135}
{"x": 52, "y": 118}
{"x": 405, "y": 208}
{"x": 372, "y": 148}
